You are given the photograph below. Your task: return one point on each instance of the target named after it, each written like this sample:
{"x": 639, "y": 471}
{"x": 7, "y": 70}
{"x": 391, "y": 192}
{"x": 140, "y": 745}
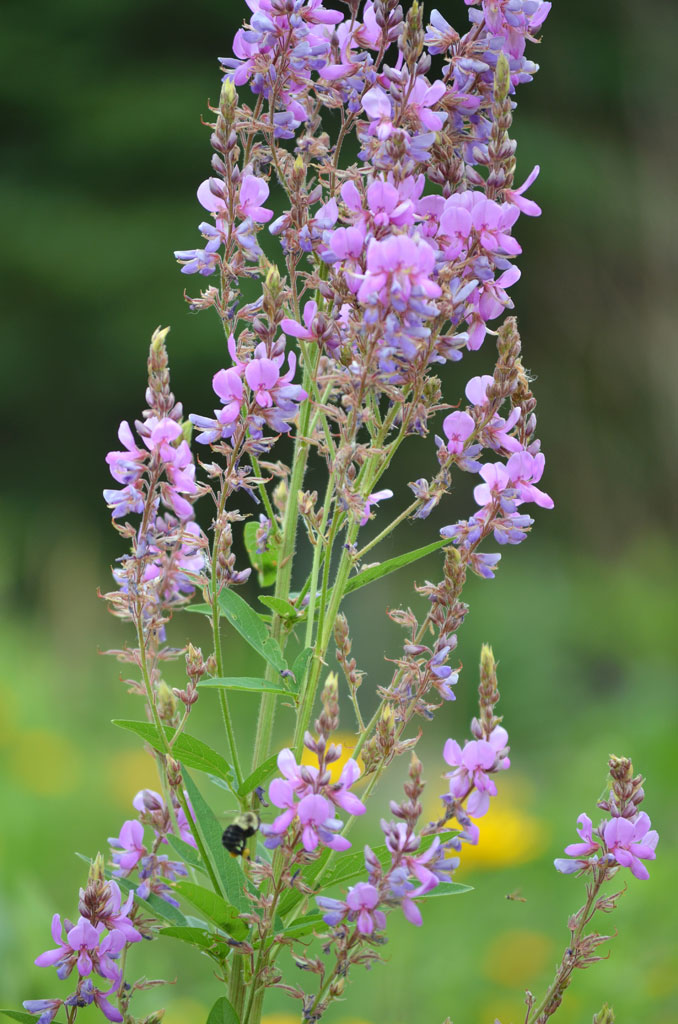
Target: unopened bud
{"x": 604, "y": 1016}
{"x": 174, "y": 776}
{"x": 502, "y": 77}
{"x": 166, "y": 702}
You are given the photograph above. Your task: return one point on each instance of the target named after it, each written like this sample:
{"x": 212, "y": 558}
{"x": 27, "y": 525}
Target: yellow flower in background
{"x": 348, "y": 742}
{"x": 127, "y": 773}
{"x": 507, "y": 1009}
{"x": 185, "y": 1011}
{"x": 514, "y": 957}
{"x": 509, "y": 834}
{"x": 44, "y": 762}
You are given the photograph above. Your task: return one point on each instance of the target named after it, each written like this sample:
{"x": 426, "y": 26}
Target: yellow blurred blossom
{"x": 45, "y": 762}
{"x": 507, "y": 1009}
{"x": 509, "y": 834}
{"x": 128, "y": 772}
{"x": 348, "y": 742}
{"x": 515, "y": 957}
{"x": 185, "y": 1011}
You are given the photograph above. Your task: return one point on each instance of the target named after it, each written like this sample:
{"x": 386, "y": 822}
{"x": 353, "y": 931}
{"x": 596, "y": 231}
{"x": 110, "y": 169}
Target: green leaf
{"x": 23, "y": 1017}
{"x": 153, "y": 905}
{"x": 447, "y": 889}
{"x": 258, "y": 776}
{"x": 213, "y": 907}
{"x": 251, "y": 684}
{"x": 198, "y": 609}
{"x": 282, "y": 608}
{"x": 188, "y": 853}
{"x": 251, "y": 628}
{"x": 200, "y": 937}
{"x": 304, "y": 925}
{"x": 187, "y": 749}
{"x": 222, "y": 1012}
{"x": 375, "y": 572}
{"x": 301, "y": 665}
{"x": 265, "y": 562}
{"x": 226, "y": 868}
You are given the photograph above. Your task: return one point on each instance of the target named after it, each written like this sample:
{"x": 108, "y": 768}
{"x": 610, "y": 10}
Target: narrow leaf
{"x": 251, "y": 628}
{"x": 154, "y": 905}
{"x": 304, "y": 926}
{"x": 191, "y": 751}
{"x": 188, "y": 853}
{"x": 282, "y": 608}
{"x": 198, "y": 609}
{"x": 300, "y": 666}
{"x": 23, "y": 1017}
{"x": 447, "y": 889}
{"x": 222, "y": 1012}
{"x": 259, "y": 775}
{"x": 251, "y": 684}
{"x": 265, "y": 562}
{"x": 213, "y": 907}
{"x": 376, "y": 572}
{"x": 200, "y": 937}
{"x": 226, "y": 868}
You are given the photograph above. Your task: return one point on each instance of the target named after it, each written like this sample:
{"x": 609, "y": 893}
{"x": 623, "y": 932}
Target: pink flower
{"x": 458, "y": 427}
{"x": 525, "y": 471}
{"x": 294, "y": 328}
{"x": 473, "y": 766}
{"x": 515, "y": 195}
{"x": 362, "y": 900}
{"x": 420, "y": 100}
{"x": 126, "y": 467}
{"x": 374, "y": 499}
{"x": 629, "y": 842}
{"x": 496, "y": 480}
{"x": 253, "y": 192}
{"x": 131, "y": 843}
{"x": 588, "y": 844}
{"x": 377, "y": 105}
{"x": 396, "y": 267}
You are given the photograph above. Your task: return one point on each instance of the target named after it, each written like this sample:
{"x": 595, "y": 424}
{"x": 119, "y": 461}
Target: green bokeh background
{"x": 102, "y": 152}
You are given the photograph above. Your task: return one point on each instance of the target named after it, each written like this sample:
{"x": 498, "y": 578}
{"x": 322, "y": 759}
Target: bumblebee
{"x": 239, "y": 831}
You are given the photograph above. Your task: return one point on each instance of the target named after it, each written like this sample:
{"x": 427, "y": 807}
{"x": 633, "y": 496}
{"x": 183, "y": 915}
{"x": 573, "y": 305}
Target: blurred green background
{"x": 102, "y": 152}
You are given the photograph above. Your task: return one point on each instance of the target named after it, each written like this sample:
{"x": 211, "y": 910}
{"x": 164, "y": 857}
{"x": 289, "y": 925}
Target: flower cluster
{"x": 91, "y": 947}
{"x": 308, "y": 799}
{"x": 154, "y": 869}
{"x": 255, "y": 388}
{"x": 624, "y": 839}
{"x": 415, "y": 870}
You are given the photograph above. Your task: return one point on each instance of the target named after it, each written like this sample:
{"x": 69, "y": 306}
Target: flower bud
{"x": 502, "y": 77}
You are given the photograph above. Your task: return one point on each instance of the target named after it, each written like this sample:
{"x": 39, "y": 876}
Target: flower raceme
{"x": 624, "y": 841}
{"x": 308, "y": 800}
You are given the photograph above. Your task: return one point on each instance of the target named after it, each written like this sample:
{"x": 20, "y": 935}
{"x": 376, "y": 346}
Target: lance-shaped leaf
{"x": 376, "y": 572}
{"x": 258, "y": 776}
{"x": 187, "y": 749}
{"x": 243, "y": 618}
{"x": 226, "y": 868}
{"x": 265, "y": 562}
{"x": 247, "y": 684}
{"x": 188, "y": 853}
{"x": 222, "y": 1013}
{"x": 153, "y": 904}
{"x": 23, "y": 1017}
{"x": 214, "y": 907}
{"x": 446, "y": 889}
{"x": 212, "y": 943}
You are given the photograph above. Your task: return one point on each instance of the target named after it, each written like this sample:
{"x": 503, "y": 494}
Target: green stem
{"x": 262, "y": 741}
{"x": 236, "y": 986}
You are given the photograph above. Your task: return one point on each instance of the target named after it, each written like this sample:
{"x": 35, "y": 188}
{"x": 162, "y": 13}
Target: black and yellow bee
{"x": 239, "y": 831}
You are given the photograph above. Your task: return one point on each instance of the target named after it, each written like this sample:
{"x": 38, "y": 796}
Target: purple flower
{"x": 396, "y": 268}
{"x": 631, "y": 842}
{"x": 458, "y": 427}
{"x": 362, "y": 900}
{"x": 374, "y": 499}
{"x": 47, "y": 1008}
{"x": 82, "y": 949}
{"x": 114, "y": 916}
{"x": 473, "y": 767}
{"x": 515, "y": 196}
{"x": 131, "y": 844}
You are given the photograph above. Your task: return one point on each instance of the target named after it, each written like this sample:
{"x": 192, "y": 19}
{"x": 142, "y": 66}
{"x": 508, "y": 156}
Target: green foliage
{"x": 247, "y": 684}
{"x": 265, "y": 562}
{"x": 213, "y": 907}
{"x": 191, "y": 751}
{"x": 222, "y": 1013}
